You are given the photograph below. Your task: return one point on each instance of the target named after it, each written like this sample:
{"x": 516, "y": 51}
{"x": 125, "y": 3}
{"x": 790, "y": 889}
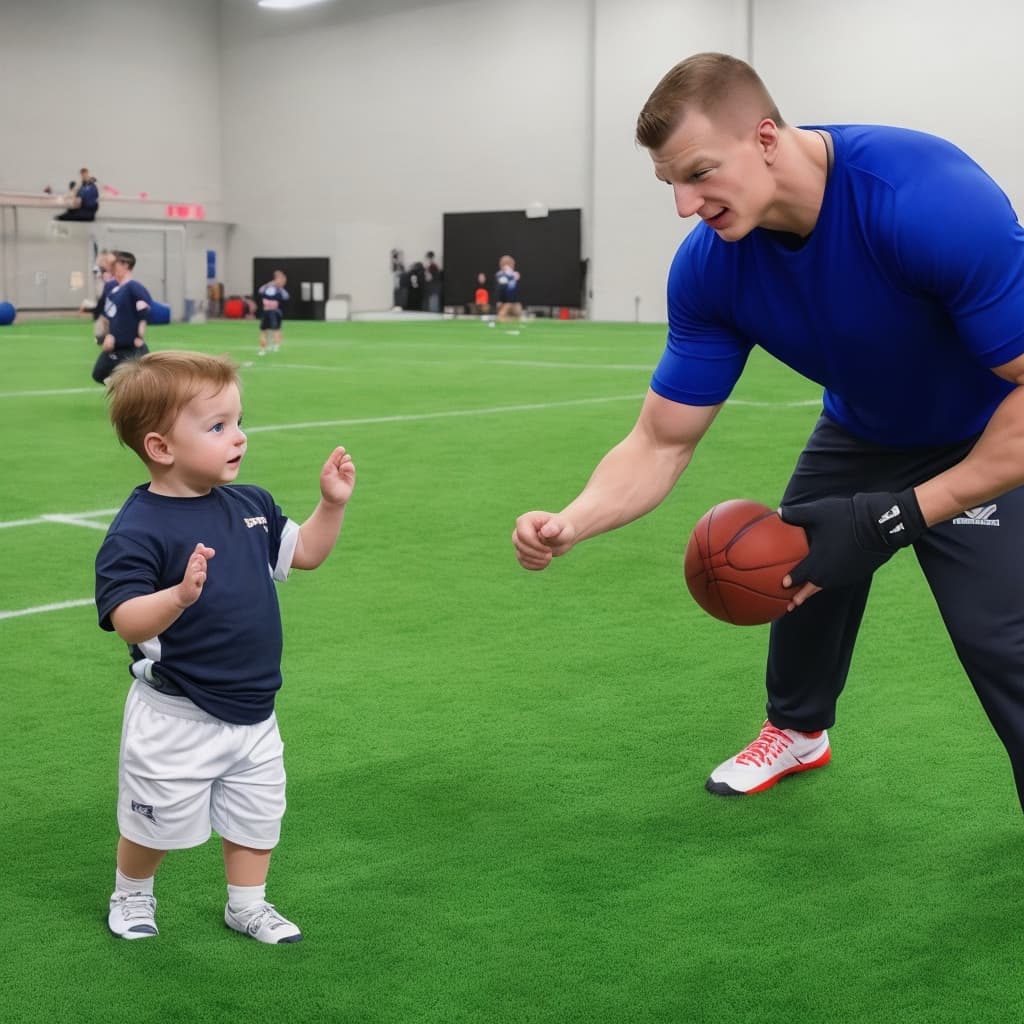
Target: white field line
{"x": 297, "y": 366}
{"x": 68, "y": 518}
{"x": 448, "y": 414}
{"x": 39, "y": 609}
{"x": 27, "y": 336}
{"x": 571, "y": 366}
{"x": 95, "y": 390}
{"x": 85, "y": 519}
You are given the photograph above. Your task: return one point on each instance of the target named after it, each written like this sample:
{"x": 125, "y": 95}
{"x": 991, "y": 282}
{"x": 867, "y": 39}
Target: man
{"x": 127, "y": 305}
{"x": 84, "y": 198}
{"x": 272, "y": 296}
{"x": 885, "y": 265}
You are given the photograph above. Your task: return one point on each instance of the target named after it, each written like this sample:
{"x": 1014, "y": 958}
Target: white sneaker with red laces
{"x": 775, "y": 754}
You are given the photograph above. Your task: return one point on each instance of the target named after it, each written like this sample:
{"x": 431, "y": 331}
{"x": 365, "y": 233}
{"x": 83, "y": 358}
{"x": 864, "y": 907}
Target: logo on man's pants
{"x": 980, "y": 516}
{"x": 146, "y": 810}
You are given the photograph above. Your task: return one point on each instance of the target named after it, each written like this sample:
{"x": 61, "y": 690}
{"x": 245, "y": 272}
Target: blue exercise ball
{"x": 159, "y": 313}
{"x": 7, "y": 314}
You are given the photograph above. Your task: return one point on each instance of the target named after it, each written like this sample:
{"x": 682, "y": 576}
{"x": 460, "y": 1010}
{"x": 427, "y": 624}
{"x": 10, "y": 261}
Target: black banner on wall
{"x": 308, "y": 287}
{"x": 546, "y": 251}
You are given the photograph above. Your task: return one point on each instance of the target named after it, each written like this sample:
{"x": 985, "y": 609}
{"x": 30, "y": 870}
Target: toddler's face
{"x": 207, "y": 441}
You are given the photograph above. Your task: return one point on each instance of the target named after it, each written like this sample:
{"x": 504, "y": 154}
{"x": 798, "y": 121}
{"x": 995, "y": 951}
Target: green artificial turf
{"x": 496, "y": 803}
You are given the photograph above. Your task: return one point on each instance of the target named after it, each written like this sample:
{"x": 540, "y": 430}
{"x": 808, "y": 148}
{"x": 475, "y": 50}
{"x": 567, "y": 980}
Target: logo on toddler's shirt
{"x": 146, "y": 810}
{"x": 252, "y": 521}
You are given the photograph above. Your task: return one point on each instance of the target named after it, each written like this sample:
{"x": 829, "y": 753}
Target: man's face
{"x": 721, "y": 174}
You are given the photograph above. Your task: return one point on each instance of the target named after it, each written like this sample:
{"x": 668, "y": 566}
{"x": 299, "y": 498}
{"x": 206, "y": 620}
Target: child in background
{"x": 510, "y": 308}
{"x": 186, "y": 577}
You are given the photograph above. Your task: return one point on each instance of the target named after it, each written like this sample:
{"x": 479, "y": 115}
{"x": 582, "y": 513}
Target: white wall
{"x": 133, "y": 93}
{"x": 130, "y": 91}
{"x": 45, "y": 265}
{"x": 349, "y": 136}
{"x": 937, "y": 65}
{"x": 351, "y": 128}
{"x": 636, "y": 230}
{"x": 404, "y": 112}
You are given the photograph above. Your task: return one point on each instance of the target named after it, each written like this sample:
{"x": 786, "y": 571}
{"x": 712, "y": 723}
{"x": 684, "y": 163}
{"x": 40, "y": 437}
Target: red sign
{"x": 186, "y": 211}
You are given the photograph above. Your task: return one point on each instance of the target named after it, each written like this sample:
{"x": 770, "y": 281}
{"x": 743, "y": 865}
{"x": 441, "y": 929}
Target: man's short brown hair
{"x": 707, "y": 82}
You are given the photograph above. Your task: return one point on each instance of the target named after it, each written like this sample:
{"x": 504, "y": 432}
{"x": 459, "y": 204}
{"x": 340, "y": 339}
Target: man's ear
{"x": 768, "y": 139}
{"x": 157, "y": 449}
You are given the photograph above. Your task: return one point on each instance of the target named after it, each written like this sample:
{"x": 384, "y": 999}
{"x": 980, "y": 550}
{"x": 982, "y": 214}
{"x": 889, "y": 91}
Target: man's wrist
{"x": 888, "y": 521}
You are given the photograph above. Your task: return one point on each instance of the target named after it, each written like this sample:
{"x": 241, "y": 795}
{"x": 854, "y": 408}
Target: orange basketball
{"x": 735, "y": 560}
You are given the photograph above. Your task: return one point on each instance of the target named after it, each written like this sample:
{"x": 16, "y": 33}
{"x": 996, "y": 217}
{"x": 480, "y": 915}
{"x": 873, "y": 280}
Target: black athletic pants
{"x": 78, "y": 213}
{"x": 107, "y": 362}
{"x": 974, "y": 565}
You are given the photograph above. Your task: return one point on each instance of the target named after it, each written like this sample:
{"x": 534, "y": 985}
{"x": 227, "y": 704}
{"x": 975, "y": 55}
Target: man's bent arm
{"x": 994, "y": 466}
{"x": 638, "y": 473}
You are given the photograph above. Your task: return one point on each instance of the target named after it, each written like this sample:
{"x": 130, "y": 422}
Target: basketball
{"x": 735, "y": 560}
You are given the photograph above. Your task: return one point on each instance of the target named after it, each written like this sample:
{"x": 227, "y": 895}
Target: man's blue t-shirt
{"x": 126, "y": 306}
{"x": 906, "y": 294}
{"x": 224, "y": 651}
{"x": 275, "y": 293}
{"x": 89, "y": 196}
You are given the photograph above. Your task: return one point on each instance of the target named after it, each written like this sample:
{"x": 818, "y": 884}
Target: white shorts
{"x": 183, "y": 773}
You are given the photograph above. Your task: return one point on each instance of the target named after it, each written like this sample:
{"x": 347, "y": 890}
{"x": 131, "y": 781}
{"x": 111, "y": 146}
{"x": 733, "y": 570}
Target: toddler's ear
{"x": 157, "y": 450}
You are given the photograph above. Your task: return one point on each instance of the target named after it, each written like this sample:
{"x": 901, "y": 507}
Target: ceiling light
{"x": 286, "y": 5}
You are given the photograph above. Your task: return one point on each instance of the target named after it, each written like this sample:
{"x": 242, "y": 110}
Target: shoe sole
{"x": 130, "y": 935}
{"x": 244, "y": 931}
{"x": 724, "y": 789}
{"x": 280, "y": 942}
{"x": 133, "y": 935}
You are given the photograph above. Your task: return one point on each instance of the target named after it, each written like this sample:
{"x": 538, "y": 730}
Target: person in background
{"x": 103, "y": 272}
{"x": 126, "y": 308}
{"x": 271, "y": 297}
{"x": 433, "y": 284}
{"x": 481, "y": 297}
{"x": 888, "y": 267}
{"x": 83, "y": 198}
{"x": 185, "y": 576}
{"x": 506, "y": 280}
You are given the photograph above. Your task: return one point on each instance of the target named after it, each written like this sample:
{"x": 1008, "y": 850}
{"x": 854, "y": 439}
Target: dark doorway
{"x": 309, "y": 283}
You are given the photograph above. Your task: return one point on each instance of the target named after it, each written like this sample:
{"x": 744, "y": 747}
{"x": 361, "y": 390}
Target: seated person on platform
{"x": 83, "y": 199}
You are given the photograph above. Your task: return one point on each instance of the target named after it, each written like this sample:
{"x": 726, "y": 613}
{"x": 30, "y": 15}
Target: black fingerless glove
{"x": 850, "y": 538}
